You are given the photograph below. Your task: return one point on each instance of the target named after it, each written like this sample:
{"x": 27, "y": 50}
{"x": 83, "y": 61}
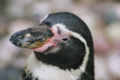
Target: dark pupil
{"x": 65, "y": 39}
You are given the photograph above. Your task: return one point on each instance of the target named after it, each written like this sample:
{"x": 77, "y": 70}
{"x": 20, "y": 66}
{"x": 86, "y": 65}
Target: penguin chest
{"x": 42, "y": 71}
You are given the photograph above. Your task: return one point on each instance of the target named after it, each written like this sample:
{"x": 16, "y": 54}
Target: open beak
{"x": 32, "y": 37}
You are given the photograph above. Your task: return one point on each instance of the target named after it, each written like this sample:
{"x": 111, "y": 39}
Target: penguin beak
{"x": 32, "y": 38}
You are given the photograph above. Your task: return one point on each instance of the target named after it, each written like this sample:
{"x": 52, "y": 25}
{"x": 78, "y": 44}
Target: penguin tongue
{"x": 45, "y": 46}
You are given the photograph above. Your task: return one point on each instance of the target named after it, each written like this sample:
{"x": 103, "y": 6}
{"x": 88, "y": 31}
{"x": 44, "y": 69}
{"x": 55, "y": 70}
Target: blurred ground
{"x": 102, "y": 17}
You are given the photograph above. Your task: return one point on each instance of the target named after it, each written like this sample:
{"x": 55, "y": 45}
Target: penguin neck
{"x": 39, "y": 70}
{"x": 42, "y": 71}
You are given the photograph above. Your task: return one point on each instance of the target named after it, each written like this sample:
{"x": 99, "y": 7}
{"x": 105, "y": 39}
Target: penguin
{"x": 62, "y": 48}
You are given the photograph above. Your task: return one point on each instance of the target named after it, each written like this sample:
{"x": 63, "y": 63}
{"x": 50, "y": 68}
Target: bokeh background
{"x": 102, "y": 17}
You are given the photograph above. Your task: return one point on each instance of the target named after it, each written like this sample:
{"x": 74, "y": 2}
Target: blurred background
{"x": 102, "y": 17}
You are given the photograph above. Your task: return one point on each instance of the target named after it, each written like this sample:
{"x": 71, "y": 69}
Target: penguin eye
{"x": 65, "y": 39}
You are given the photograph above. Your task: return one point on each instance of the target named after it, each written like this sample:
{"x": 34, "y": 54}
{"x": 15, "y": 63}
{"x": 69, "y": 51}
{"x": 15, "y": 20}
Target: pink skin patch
{"x": 51, "y": 42}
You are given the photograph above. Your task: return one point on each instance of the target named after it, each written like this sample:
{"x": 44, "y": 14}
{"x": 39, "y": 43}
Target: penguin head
{"x": 61, "y": 39}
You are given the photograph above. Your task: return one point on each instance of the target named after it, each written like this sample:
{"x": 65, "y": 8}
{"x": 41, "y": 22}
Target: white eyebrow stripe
{"x": 43, "y": 18}
{"x": 84, "y": 63}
